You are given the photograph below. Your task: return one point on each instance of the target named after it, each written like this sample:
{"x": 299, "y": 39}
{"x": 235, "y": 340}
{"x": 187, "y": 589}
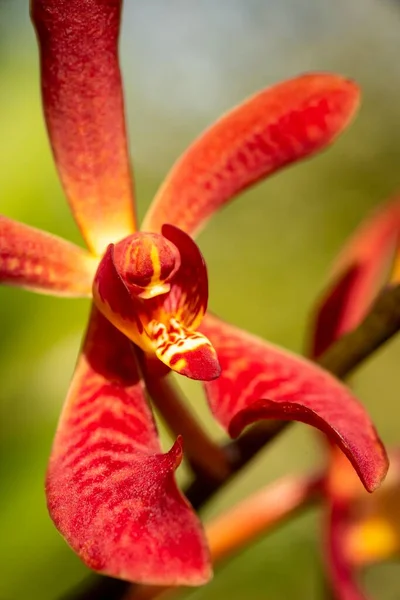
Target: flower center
{"x": 147, "y": 262}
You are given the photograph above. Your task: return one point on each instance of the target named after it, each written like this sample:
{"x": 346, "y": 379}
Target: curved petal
{"x": 164, "y": 324}
{"x": 278, "y": 126}
{"x": 83, "y": 107}
{"x": 189, "y": 290}
{"x": 41, "y": 262}
{"x": 356, "y": 277}
{"x": 111, "y": 492}
{"x": 261, "y": 381}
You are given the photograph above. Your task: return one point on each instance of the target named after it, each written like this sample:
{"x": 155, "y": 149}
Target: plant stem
{"x": 205, "y": 456}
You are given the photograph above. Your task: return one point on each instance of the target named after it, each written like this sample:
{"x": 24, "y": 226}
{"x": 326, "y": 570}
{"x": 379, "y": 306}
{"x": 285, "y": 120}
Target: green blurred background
{"x": 184, "y": 63}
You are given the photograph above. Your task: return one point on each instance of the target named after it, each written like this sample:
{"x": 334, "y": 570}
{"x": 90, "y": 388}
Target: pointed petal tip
{"x": 200, "y": 363}
{"x": 175, "y": 454}
{"x": 374, "y": 478}
{"x": 370, "y": 467}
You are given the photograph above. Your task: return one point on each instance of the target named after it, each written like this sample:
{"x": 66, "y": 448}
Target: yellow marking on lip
{"x": 190, "y": 343}
{"x": 175, "y": 339}
{"x": 180, "y": 364}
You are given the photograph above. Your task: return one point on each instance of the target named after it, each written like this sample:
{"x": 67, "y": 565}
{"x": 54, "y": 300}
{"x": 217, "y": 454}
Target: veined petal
{"x": 186, "y": 352}
{"x": 111, "y": 492}
{"x": 83, "y": 107}
{"x": 278, "y": 126}
{"x": 362, "y": 529}
{"x": 260, "y": 381}
{"x": 357, "y": 276}
{"x": 154, "y": 289}
{"x": 41, "y": 262}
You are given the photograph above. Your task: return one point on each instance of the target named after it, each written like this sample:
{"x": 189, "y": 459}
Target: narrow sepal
{"x": 41, "y": 262}
{"x": 278, "y": 126}
{"x": 83, "y": 107}
{"x": 110, "y": 490}
{"x": 357, "y": 275}
{"x": 260, "y": 381}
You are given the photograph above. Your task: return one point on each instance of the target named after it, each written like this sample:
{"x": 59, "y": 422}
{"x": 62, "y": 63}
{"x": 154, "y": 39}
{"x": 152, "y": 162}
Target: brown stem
{"x": 205, "y": 456}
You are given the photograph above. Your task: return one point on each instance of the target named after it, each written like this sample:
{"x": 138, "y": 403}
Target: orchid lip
{"x": 183, "y": 350}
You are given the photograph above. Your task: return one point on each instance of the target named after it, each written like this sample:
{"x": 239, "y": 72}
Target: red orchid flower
{"x": 362, "y": 530}
{"x": 111, "y": 491}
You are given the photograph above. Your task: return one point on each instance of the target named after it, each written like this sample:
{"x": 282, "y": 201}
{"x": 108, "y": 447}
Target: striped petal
{"x": 362, "y": 529}
{"x": 274, "y": 128}
{"x": 41, "y": 262}
{"x": 356, "y": 277}
{"x": 154, "y": 289}
{"x": 110, "y": 490}
{"x": 83, "y": 107}
{"x": 261, "y": 381}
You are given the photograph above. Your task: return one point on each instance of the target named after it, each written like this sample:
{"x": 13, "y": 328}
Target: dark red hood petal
{"x": 110, "y": 490}
{"x": 189, "y": 295}
{"x": 262, "y": 381}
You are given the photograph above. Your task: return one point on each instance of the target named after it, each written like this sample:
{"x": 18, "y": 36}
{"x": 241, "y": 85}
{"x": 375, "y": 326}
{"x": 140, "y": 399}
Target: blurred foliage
{"x": 184, "y": 64}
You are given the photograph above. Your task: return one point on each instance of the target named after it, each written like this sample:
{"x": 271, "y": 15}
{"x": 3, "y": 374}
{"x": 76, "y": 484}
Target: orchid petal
{"x": 278, "y": 126}
{"x": 41, "y": 262}
{"x": 356, "y": 277}
{"x": 189, "y": 289}
{"x": 164, "y": 324}
{"x": 261, "y": 381}
{"x": 362, "y": 529}
{"x": 110, "y": 490}
{"x": 83, "y": 107}
{"x": 342, "y": 575}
